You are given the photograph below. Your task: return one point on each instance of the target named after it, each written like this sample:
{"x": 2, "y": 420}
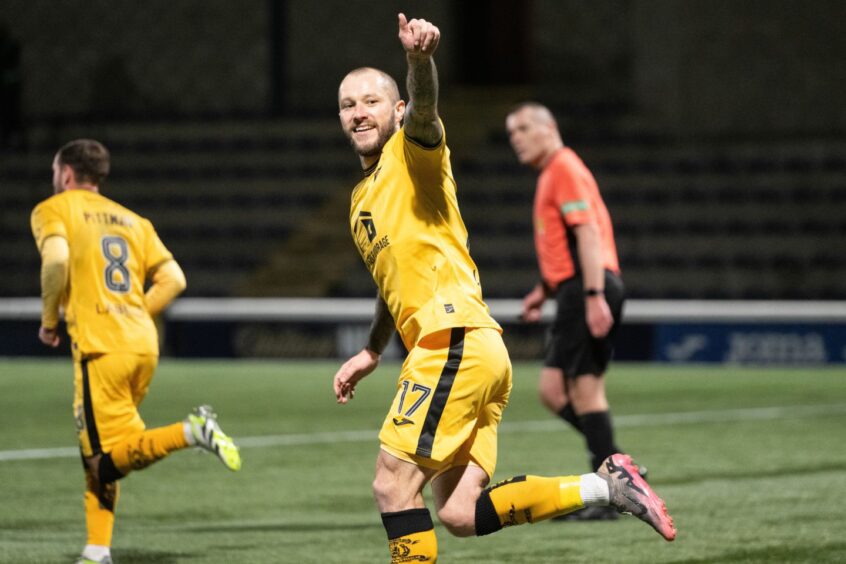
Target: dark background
{"x": 717, "y": 131}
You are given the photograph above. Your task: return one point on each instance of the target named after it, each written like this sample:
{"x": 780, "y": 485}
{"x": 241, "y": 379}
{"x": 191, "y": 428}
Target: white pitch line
{"x": 36, "y": 453}
{"x": 546, "y": 425}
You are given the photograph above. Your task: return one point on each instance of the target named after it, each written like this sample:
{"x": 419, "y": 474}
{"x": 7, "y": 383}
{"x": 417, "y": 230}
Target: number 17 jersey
{"x": 112, "y": 250}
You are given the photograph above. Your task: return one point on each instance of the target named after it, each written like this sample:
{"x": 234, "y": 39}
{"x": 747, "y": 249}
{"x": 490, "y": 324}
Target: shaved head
{"x": 533, "y": 133}
{"x": 371, "y": 111}
{"x": 537, "y": 112}
{"x": 384, "y": 81}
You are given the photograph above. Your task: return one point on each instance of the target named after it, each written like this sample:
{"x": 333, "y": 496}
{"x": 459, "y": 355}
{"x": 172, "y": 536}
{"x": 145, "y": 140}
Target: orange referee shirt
{"x": 566, "y": 196}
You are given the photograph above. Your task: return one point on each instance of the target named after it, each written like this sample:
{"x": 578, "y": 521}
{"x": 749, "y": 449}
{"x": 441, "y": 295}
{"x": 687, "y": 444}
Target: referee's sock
{"x": 599, "y": 435}
{"x": 529, "y": 499}
{"x": 569, "y": 415}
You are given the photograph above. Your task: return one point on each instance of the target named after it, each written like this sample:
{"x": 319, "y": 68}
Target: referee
{"x": 574, "y": 242}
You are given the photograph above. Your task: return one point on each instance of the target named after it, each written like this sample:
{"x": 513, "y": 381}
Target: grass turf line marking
{"x": 634, "y": 420}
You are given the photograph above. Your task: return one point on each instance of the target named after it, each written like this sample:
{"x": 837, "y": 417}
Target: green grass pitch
{"x": 751, "y": 462}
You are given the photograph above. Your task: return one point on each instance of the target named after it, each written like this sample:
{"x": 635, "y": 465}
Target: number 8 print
{"x": 117, "y": 275}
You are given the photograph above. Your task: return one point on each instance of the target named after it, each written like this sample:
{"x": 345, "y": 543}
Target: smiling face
{"x": 533, "y": 135}
{"x": 370, "y": 111}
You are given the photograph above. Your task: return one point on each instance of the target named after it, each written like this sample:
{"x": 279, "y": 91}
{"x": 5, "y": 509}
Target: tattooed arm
{"x": 420, "y": 38}
{"x": 382, "y": 328}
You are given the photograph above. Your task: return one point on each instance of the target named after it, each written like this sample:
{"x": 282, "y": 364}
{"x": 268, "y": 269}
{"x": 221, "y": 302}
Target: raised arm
{"x": 420, "y": 38}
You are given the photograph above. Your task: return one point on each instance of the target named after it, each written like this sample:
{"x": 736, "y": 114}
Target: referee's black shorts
{"x": 569, "y": 344}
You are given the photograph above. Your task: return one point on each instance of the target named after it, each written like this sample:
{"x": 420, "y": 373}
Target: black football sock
{"x": 411, "y": 536}
{"x": 567, "y": 414}
{"x": 599, "y": 435}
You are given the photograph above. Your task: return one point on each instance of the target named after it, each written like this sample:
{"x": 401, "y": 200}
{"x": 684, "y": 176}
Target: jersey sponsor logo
{"x": 382, "y": 243}
{"x": 365, "y": 233}
{"x": 365, "y": 220}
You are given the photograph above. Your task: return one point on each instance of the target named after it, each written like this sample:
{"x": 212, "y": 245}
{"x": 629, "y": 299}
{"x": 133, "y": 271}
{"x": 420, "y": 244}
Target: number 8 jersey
{"x": 112, "y": 250}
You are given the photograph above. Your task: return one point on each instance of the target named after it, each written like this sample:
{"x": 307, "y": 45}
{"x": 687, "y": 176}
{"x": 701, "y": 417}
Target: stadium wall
{"x": 736, "y": 332}
{"x": 692, "y": 67}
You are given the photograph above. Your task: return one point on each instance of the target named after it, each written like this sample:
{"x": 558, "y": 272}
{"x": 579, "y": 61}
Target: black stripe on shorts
{"x": 436, "y": 407}
{"x": 88, "y": 409}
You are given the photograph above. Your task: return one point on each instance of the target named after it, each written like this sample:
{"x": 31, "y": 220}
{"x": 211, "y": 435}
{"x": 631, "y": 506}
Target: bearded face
{"x": 367, "y": 139}
{"x": 370, "y": 112}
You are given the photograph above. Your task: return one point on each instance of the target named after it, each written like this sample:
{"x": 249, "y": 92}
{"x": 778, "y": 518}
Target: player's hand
{"x": 351, "y": 372}
{"x": 418, "y": 37}
{"x": 532, "y": 304}
{"x": 49, "y": 336}
{"x": 598, "y": 316}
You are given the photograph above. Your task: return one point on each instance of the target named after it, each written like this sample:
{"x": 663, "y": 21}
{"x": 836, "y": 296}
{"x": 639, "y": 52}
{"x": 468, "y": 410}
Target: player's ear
{"x": 399, "y": 111}
{"x": 68, "y": 175}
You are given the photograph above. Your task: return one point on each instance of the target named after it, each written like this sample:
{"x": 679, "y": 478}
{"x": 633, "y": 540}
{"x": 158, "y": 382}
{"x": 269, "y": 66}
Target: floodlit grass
{"x": 745, "y": 484}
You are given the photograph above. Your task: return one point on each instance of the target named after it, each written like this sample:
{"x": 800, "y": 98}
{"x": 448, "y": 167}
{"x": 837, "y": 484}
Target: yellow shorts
{"x": 107, "y": 391}
{"x": 451, "y": 392}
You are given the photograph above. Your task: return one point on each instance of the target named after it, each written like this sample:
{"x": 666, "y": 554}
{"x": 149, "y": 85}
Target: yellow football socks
{"x": 142, "y": 449}
{"x": 415, "y": 547}
{"x": 526, "y": 499}
{"x": 100, "y": 503}
{"x": 411, "y": 536}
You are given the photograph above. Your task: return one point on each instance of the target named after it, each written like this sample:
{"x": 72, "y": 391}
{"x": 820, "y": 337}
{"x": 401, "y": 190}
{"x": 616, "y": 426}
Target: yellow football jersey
{"x": 111, "y": 251}
{"x": 406, "y": 224}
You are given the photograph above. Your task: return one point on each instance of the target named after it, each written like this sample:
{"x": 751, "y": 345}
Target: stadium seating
{"x": 259, "y": 208}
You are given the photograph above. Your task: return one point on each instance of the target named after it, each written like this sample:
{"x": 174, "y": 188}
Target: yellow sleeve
{"x": 419, "y": 156}
{"x": 155, "y": 253}
{"x": 46, "y": 221}
{"x": 55, "y": 256}
{"x": 168, "y": 282}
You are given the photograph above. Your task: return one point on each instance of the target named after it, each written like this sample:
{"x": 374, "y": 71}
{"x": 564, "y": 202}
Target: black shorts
{"x": 569, "y": 344}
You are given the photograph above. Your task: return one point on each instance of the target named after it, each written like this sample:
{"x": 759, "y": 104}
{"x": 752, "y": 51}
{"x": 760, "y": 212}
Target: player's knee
{"x": 459, "y": 521}
{"x": 550, "y": 397}
{"x": 545, "y": 398}
{"x": 588, "y": 394}
{"x": 381, "y": 490}
{"x": 92, "y": 467}
{"x": 389, "y": 495}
